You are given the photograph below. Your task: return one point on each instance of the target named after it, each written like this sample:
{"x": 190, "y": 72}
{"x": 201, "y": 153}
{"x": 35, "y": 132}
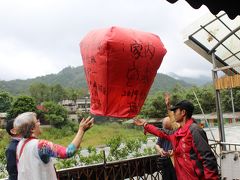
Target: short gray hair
{"x": 25, "y": 123}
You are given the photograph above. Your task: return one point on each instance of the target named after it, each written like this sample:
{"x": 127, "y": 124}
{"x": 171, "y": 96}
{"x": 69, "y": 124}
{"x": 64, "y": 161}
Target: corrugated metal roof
{"x": 217, "y": 34}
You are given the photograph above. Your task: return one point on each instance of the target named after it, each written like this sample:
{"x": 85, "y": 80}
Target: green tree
{"x": 56, "y": 93}
{"x": 236, "y": 99}
{"x": 55, "y": 114}
{"x": 226, "y": 101}
{"x": 20, "y": 105}
{"x": 39, "y": 91}
{"x": 178, "y": 93}
{"x": 74, "y": 94}
{"x": 206, "y": 97}
{"x": 5, "y": 101}
{"x": 42, "y": 92}
{"x": 155, "y": 106}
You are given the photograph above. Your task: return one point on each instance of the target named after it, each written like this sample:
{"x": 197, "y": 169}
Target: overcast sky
{"x": 42, "y": 37}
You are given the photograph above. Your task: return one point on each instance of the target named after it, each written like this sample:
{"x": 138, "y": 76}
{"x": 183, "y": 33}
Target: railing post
{"x": 104, "y": 164}
{"x": 218, "y": 106}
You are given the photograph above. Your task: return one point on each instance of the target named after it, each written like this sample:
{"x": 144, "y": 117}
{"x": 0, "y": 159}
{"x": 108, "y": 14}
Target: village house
{"x": 3, "y": 117}
{"x": 82, "y": 105}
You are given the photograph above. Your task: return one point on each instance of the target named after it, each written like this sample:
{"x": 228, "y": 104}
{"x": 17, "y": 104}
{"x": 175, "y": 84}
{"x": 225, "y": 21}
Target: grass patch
{"x": 96, "y": 136}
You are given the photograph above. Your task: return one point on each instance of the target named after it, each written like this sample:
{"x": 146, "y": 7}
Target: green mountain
{"x": 197, "y": 81}
{"x": 75, "y": 77}
{"x": 163, "y": 82}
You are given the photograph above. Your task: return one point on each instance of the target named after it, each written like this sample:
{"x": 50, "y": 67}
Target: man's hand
{"x": 170, "y": 152}
{"x": 139, "y": 122}
{"x": 167, "y": 100}
{"x": 163, "y": 153}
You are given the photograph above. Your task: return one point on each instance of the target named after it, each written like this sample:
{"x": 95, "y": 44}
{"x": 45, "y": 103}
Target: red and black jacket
{"x": 193, "y": 156}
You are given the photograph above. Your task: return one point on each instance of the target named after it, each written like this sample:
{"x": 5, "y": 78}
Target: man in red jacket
{"x": 193, "y": 157}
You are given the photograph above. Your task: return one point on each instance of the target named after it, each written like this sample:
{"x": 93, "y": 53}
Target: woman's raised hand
{"x": 86, "y": 124}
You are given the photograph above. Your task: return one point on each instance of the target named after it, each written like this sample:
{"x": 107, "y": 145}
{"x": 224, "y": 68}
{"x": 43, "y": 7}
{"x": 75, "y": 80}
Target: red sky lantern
{"x": 120, "y": 65}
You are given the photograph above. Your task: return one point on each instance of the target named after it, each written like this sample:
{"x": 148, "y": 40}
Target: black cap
{"x": 9, "y": 126}
{"x": 185, "y": 104}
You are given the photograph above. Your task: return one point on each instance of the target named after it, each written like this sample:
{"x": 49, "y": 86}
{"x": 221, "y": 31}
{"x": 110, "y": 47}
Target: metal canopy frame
{"x": 217, "y": 39}
{"x": 216, "y": 34}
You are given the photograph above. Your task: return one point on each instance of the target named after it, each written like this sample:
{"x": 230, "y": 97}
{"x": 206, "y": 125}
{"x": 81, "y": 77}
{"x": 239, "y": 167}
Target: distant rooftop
{"x": 214, "y": 116}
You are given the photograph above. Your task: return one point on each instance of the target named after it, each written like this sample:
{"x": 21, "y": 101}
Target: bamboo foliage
{"x": 227, "y": 82}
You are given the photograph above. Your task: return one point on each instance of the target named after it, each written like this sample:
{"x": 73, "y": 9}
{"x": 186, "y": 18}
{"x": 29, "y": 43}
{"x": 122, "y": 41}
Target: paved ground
{"x": 232, "y": 133}
{"x": 230, "y": 163}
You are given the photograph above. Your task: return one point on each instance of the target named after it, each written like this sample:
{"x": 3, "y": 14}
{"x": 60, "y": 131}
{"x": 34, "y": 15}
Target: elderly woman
{"x": 34, "y": 155}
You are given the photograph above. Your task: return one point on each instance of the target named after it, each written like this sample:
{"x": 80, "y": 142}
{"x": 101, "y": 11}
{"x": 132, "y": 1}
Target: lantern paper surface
{"x": 120, "y": 65}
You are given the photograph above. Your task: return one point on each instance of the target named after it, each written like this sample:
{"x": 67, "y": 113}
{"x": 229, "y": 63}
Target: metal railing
{"x": 218, "y": 149}
{"x": 136, "y": 168}
{"x": 226, "y": 152}
{"x": 141, "y": 168}
{"x": 231, "y": 146}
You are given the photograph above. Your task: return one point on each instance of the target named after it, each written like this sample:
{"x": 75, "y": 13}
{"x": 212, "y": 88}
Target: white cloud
{"x": 17, "y": 62}
{"x": 194, "y": 73}
{"x": 42, "y": 37}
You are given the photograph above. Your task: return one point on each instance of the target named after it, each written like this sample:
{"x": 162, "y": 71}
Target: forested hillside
{"x": 74, "y": 77}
